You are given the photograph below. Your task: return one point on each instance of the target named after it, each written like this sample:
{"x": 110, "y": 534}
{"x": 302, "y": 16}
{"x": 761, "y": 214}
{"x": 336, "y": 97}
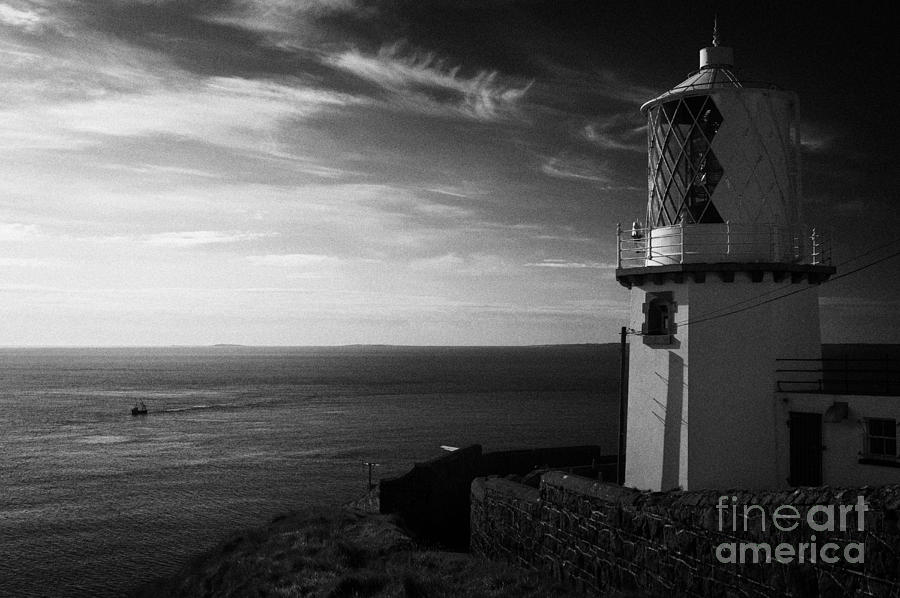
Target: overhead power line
{"x": 779, "y": 290}
{"x": 794, "y": 292}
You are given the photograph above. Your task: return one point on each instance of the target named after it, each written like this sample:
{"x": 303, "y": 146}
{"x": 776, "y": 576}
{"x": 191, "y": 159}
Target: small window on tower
{"x": 881, "y": 439}
{"x": 658, "y": 317}
{"x": 659, "y": 314}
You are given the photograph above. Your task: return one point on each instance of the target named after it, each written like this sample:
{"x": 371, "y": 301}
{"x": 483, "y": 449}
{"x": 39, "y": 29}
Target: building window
{"x": 881, "y": 439}
{"x": 659, "y": 319}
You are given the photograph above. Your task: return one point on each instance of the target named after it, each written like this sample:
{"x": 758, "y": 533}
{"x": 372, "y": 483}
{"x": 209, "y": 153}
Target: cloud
{"x": 25, "y": 262}
{"x": 475, "y": 264}
{"x": 815, "y": 138}
{"x": 423, "y": 82}
{"x": 610, "y": 85}
{"x": 558, "y": 263}
{"x": 219, "y": 105}
{"x": 451, "y": 191}
{"x": 175, "y": 239}
{"x": 159, "y": 169}
{"x": 226, "y": 111}
{"x": 604, "y": 83}
{"x": 587, "y": 308}
{"x": 75, "y": 64}
{"x": 293, "y": 260}
{"x": 29, "y": 20}
{"x": 200, "y": 237}
{"x": 285, "y": 17}
{"x": 408, "y": 203}
{"x": 617, "y": 132}
{"x": 16, "y": 231}
{"x": 289, "y": 23}
{"x": 574, "y": 168}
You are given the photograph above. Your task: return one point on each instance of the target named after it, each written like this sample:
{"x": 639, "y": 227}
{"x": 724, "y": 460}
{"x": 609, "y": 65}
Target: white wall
{"x": 656, "y": 439}
{"x": 702, "y": 412}
{"x": 843, "y": 441}
{"x": 732, "y": 419}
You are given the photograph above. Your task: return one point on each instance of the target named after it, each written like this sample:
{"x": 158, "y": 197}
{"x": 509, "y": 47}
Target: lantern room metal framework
{"x": 723, "y": 177}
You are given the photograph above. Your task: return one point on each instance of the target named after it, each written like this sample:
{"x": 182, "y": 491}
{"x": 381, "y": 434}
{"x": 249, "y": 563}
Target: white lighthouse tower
{"x": 723, "y": 275}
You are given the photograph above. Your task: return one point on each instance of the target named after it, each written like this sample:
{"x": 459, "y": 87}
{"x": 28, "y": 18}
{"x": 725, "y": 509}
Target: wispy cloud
{"x": 815, "y": 138}
{"x": 462, "y": 191}
{"x": 610, "y": 85}
{"x": 294, "y": 260}
{"x": 566, "y": 264}
{"x": 220, "y": 107}
{"x": 25, "y": 262}
{"x": 226, "y": 111}
{"x": 200, "y": 237}
{"x": 175, "y": 239}
{"x": 423, "y": 82}
{"x": 475, "y": 264}
{"x": 617, "y": 132}
{"x": 574, "y": 168}
{"x": 16, "y": 231}
{"x": 289, "y": 18}
{"x": 29, "y": 20}
{"x": 159, "y": 169}
{"x": 605, "y": 83}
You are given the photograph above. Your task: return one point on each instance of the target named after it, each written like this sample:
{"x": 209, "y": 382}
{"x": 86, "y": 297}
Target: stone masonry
{"x": 598, "y": 537}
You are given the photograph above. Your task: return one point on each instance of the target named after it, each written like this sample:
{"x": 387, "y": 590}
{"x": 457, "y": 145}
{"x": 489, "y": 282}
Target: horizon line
{"x": 261, "y": 346}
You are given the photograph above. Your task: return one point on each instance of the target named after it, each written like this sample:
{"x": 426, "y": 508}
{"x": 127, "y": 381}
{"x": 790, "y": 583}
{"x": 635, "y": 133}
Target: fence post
{"x": 618, "y": 245}
{"x": 681, "y": 228}
{"x": 728, "y": 237}
{"x": 815, "y": 254}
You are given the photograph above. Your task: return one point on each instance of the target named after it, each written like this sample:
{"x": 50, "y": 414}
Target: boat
{"x": 139, "y": 409}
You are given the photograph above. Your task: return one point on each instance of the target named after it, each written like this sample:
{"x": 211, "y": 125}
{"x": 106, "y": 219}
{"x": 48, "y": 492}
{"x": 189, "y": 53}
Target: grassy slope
{"x": 343, "y": 554}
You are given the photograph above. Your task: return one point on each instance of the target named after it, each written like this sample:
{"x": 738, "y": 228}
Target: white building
{"x": 724, "y": 277}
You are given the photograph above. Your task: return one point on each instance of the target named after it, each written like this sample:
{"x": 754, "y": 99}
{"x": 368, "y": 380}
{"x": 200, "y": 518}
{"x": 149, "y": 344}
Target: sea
{"x": 97, "y": 502}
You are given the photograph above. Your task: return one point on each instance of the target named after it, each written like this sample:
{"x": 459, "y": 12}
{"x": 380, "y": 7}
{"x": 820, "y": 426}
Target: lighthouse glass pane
{"x": 684, "y": 171}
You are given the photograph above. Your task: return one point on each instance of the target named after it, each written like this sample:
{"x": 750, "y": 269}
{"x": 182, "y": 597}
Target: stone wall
{"x": 505, "y": 521}
{"x": 598, "y": 537}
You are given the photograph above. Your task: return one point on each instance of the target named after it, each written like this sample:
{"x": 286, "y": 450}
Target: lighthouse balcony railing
{"x": 838, "y": 376}
{"x": 721, "y": 242}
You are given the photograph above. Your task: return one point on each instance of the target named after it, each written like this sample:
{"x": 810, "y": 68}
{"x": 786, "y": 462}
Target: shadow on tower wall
{"x": 671, "y": 464}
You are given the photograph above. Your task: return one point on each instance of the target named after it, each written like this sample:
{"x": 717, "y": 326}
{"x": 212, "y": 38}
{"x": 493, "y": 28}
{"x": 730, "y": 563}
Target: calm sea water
{"x": 94, "y": 502}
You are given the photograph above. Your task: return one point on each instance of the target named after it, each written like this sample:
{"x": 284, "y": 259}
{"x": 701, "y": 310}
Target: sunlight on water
{"x": 91, "y": 494}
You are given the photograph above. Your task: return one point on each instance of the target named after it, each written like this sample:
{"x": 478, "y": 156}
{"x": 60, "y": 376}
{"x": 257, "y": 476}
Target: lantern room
{"x": 723, "y": 173}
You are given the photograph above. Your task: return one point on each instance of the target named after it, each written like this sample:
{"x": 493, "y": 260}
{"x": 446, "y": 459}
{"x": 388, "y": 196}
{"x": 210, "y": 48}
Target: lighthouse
{"x": 723, "y": 274}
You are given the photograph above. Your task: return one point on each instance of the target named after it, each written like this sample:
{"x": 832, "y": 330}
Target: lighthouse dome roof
{"x": 715, "y": 77}
{"x": 716, "y": 72}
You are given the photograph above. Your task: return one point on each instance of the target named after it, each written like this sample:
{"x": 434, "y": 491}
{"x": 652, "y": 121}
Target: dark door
{"x": 806, "y": 449}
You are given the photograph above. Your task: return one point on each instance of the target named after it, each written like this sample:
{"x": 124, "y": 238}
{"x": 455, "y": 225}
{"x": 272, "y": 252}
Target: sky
{"x": 424, "y": 172}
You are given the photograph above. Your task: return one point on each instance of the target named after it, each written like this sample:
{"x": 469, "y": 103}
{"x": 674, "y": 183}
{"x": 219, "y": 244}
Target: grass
{"x": 340, "y": 554}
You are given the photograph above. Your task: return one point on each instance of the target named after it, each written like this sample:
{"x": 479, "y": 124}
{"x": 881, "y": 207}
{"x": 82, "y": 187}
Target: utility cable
{"x": 774, "y": 291}
{"x": 800, "y": 290}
